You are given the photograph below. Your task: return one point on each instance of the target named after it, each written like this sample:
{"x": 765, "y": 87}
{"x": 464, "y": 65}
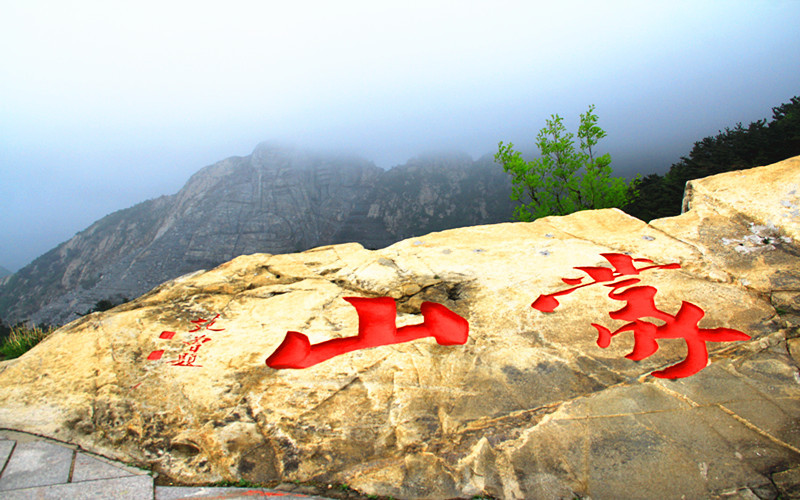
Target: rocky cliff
{"x": 277, "y": 200}
{"x": 604, "y": 358}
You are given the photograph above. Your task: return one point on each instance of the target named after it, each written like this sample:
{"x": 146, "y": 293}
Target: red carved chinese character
{"x": 623, "y": 266}
{"x": 187, "y": 358}
{"x": 195, "y": 344}
{"x": 209, "y": 324}
{"x": 640, "y": 303}
{"x": 376, "y": 327}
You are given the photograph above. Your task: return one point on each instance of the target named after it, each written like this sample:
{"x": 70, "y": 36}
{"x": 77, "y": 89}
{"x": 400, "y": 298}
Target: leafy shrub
{"x": 104, "y": 305}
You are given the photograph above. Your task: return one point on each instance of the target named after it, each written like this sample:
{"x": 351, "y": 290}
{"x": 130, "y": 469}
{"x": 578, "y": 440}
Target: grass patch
{"x": 22, "y": 339}
{"x": 241, "y": 483}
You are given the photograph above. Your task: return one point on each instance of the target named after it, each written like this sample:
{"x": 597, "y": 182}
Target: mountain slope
{"x": 276, "y": 200}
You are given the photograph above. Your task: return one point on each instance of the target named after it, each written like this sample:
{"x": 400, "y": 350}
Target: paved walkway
{"x": 32, "y": 467}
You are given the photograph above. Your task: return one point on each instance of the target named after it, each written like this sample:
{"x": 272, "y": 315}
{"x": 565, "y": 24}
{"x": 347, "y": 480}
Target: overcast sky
{"x": 107, "y": 104}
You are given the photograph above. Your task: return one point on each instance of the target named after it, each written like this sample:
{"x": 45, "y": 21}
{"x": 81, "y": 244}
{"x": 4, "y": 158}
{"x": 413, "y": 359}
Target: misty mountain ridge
{"x": 4, "y": 272}
{"x": 279, "y": 199}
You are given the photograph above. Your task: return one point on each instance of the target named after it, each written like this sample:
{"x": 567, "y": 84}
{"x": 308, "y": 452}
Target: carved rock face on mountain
{"x": 539, "y": 402}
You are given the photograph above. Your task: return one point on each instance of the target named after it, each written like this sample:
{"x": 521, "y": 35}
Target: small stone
{"x": 794, "y": 349}
{"x": 286, "y": 487}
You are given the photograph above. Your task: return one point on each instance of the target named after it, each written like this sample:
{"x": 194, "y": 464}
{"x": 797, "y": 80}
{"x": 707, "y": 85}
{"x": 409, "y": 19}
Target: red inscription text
{"x": 640, "y": 303}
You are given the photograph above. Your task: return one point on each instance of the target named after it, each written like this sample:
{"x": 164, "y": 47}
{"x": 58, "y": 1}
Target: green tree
{"x": 564, "y": 179}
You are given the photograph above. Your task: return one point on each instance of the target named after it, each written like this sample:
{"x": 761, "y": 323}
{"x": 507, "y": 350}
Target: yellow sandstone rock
{"x": 530, "y": 407}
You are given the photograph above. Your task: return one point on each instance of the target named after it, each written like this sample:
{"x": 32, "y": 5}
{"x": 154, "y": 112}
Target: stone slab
{"x": 222, "y": 493}
{"x": 89, "y": 468}
{"x": 6, "y": 446}
{"x": 124, "y": 488}
{"x": 19, "y": 437}
{"x": 788, "y": 482}
{"x": 36, "y": 464}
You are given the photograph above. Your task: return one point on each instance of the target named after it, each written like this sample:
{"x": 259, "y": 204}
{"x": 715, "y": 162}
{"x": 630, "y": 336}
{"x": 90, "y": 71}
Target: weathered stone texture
{"x": 529, "y": 407}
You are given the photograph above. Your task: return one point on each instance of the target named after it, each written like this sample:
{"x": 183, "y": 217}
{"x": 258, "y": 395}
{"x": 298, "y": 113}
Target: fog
{"x": 107, "y": 104}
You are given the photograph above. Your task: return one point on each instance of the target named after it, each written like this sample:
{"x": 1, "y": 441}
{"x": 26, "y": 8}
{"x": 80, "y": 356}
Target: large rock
{"x": 529, "y": 407}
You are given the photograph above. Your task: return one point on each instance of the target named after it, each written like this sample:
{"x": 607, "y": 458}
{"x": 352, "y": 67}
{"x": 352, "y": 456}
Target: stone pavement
{"x": 32, "y": 467}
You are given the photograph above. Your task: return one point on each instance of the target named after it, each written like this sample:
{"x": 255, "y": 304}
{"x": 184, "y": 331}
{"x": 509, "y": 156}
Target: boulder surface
{"x": 661, "y": 360}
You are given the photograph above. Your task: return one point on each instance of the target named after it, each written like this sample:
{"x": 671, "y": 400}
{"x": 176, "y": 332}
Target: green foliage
{"x": 241, "y": 483}
{"x": 22, "y": 339}
{"x": 564, "y": 179}
{"x": 104, "y": 305}
{"x": 760, "y": 143}
{"x": 781, "y": 311}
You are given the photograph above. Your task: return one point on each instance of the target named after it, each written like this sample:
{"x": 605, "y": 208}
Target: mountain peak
{"x": 274, "y": 147}
{"x": 442, "y": 156}
{"x": 279, "y": 199}
{"x": 272, "y": 150}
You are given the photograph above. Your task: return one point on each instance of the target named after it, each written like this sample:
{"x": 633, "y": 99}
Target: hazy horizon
{"x": 108, "y": 105}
